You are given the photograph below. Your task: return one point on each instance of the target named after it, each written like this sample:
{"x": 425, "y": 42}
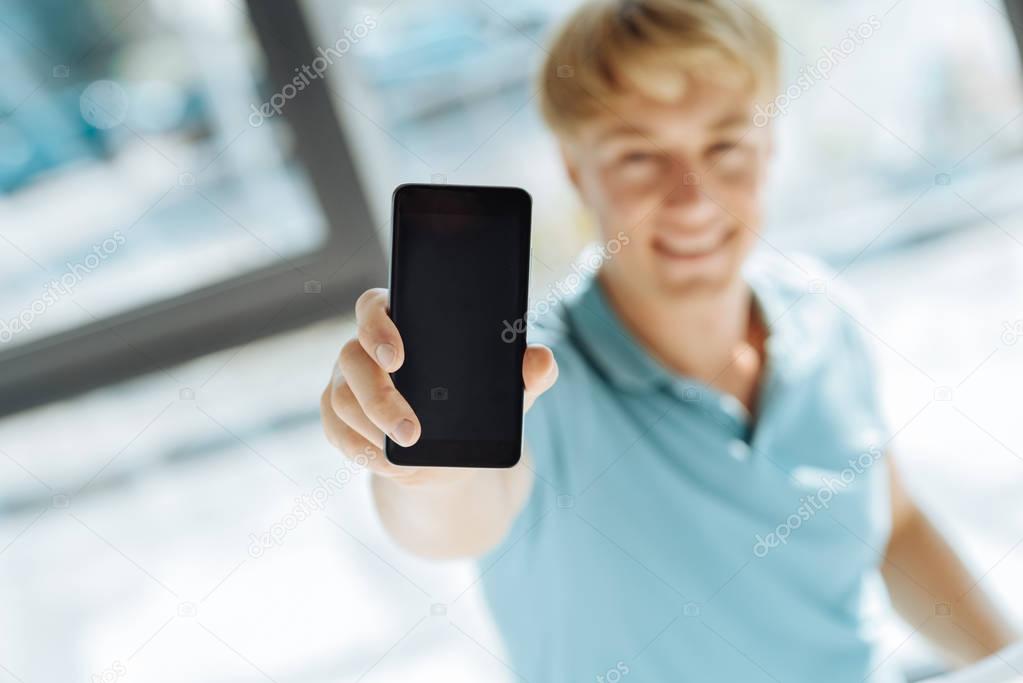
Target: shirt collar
{"x": 621, "y": 357}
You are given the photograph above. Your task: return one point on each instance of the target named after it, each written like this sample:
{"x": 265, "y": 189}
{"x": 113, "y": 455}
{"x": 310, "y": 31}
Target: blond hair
{"x": 608, "y": 48}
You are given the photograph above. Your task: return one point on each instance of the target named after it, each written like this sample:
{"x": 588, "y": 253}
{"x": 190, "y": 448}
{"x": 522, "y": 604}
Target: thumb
{"x": 539, "y": 372}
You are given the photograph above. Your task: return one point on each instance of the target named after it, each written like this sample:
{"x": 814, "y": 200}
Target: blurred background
{"x": 193, "y": 193}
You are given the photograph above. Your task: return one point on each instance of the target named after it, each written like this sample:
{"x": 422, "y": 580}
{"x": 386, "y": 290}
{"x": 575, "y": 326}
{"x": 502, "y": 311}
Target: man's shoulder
{"x": 792, "y": 277}
{"x": 805, "y": 295}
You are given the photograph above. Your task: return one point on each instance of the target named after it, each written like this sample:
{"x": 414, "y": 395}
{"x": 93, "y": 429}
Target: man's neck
{"x": 712, "y": 336}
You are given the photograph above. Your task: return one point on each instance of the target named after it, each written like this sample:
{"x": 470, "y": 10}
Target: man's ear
{"x": 571, "y": 166}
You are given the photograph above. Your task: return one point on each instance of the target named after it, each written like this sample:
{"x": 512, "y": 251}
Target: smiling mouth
{"x": 690, "y": 250}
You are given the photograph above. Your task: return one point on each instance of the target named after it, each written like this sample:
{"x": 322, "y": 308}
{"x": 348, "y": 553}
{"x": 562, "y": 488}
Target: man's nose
{"x": 688, "y": 200}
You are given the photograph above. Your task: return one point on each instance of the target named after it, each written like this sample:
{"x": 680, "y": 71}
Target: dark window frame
{"x": 271, "y": 299}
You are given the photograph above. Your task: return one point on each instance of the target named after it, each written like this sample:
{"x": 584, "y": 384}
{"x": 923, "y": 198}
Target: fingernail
{"x": 404, "y": 432}
{"x": 385, "y": 355}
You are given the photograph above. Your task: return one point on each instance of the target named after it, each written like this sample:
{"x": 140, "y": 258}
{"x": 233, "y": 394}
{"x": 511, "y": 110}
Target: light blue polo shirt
{"x": 668, "y": 537}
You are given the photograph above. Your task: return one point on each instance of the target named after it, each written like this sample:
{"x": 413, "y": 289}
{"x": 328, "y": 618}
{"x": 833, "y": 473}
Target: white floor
{"x": 146, "y": 573}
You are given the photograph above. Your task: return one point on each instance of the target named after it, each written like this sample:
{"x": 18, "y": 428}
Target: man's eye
{"x": 722, "y": 147}
{"x": 636, "y": 158}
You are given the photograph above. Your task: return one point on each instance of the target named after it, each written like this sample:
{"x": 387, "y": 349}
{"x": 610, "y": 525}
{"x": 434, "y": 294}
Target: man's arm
{"x": 933, "y": 590}
{"x": 464, "y": 517}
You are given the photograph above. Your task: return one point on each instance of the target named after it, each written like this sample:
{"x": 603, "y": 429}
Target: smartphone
{"x": 459, "y": 286}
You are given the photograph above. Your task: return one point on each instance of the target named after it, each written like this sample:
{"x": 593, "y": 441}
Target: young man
{"x": 704, "y": 494}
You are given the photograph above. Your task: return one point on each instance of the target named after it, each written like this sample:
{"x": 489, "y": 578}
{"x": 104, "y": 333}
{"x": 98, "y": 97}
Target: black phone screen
{"x": 459, "y": 284}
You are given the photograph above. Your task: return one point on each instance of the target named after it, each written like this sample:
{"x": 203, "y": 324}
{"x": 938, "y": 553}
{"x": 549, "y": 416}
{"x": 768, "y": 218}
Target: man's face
{"x": 682, "y": 180}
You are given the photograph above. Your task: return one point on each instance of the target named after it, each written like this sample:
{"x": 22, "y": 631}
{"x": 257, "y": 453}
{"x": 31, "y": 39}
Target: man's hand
{"x": 431, "y": 510}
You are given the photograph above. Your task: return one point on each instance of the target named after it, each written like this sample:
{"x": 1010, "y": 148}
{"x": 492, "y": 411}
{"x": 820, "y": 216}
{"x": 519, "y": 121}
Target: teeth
{"x": 689, "y": 247}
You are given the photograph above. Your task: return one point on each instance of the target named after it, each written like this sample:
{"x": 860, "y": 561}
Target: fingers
{"x": 375, "y": 393}
{"x": 539, "y": 372}
{"x": 350, "y": 442}
{"x": 347, "y": 408}
{"x": 361, "y": 404}
{"x": 378, "y": 335}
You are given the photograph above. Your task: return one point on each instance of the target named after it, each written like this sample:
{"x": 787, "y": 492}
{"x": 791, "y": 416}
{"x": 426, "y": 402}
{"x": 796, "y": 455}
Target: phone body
{"x": 459, "y": 287}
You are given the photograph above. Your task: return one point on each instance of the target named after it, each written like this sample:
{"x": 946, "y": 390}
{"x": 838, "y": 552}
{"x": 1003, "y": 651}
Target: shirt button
{"x": 732, "y": 406}
{"x": 739, "y": 450}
